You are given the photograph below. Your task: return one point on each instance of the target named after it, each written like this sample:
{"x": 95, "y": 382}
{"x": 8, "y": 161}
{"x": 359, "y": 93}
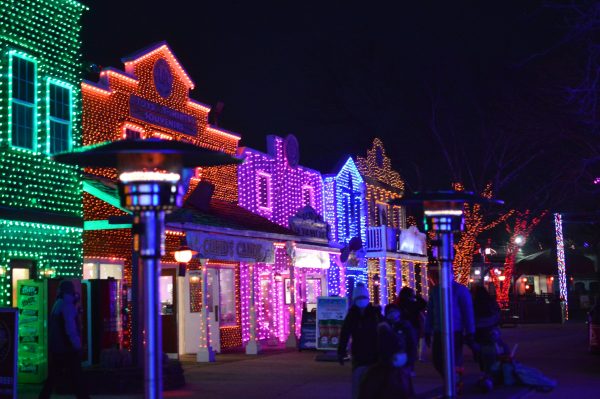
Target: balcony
{"x": 382, "y": 239}
{"x": 385, "y": 240}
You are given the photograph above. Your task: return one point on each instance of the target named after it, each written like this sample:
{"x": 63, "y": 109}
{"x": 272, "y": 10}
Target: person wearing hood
{"x": 360, "y": 325}
{"x": 389, "y": 378}
{"x": 64, "y": 343}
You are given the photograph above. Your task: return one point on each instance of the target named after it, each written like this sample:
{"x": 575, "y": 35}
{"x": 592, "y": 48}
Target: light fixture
{"x": 184, "y": 254}
{"x": 524, "y": 279}
{"x": 527, "y": 286}
{"x": 477, "y": 272}
{"x": 519, "y": 240}
{"x": 2, "y": 271}
{"x": 501, "y": 278}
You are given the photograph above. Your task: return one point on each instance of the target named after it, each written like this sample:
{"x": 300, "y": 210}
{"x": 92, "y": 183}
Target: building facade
{"x": 346, "y": 212}
{"x": 397, "y": 256}
{"x": 41, "y": 215}
{"x": 275, "y": 186}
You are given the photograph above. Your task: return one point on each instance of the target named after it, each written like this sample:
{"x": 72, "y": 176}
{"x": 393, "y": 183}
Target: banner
{"x": 9, "y": 320}
{"x": 233, "y": 249}
{"x": 331, "y": 311}
{"x": 32, "y": 334}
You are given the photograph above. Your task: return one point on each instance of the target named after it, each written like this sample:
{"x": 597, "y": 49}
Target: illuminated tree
{"x": 521, "y": 226}
{"x": 475, "y": 224}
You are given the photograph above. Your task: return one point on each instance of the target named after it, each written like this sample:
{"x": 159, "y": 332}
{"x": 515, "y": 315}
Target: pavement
{"x": 560, "y": 351}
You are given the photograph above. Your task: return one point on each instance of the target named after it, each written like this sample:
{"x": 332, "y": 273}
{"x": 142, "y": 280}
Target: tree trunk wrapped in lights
{"x": 524, "y": 224}
{"x": 475, "y": 224}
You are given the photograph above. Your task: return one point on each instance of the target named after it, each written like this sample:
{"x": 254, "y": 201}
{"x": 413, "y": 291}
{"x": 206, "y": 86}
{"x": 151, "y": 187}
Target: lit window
{"x": 23, "y": 100}
{"x": 308, "y": 196}
{"x": 59, "y": 117}
{"x": 264, "y": 190}
{"x": 102, "y": 271}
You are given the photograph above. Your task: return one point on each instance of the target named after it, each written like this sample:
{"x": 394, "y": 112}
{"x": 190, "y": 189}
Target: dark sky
{"x": 336, "y": 75}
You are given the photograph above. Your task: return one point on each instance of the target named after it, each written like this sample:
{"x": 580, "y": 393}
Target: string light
{"x": 560, "y": 252}
{"x": 44, "y": 35}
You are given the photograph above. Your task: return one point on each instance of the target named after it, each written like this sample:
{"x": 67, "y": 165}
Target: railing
{"x": 382, "y": 238}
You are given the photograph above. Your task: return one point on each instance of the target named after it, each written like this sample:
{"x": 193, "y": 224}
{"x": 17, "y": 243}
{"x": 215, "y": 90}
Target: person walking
{"x": 360, "y": 325}
{"x": 389, "y": 377}
{"x": 64, "y": 343}
{"x": 412, "y": 311}
{"x": 463, "y": 324}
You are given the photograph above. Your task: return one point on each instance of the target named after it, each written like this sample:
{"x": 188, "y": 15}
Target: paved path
{"x": 559, "y": 351}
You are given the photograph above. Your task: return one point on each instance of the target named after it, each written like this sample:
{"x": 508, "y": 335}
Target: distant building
{"x": 392, "y": 263}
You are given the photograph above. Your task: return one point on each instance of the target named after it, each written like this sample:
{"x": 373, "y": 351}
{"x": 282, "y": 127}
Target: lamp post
{"x": 149, "y": 176}
{"x": 443, "y": 214}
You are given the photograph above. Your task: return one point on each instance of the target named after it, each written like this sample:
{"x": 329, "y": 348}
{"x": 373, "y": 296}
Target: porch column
{"x": 252, "y": 347}
{"x": 424, "y": 282}
{"x": 398, "y": 263}
{"x": 205, "y": 352}
{"x": 411, "y": 275}
{"x": 383, "y": 289}
{"x": 291, "y": 341}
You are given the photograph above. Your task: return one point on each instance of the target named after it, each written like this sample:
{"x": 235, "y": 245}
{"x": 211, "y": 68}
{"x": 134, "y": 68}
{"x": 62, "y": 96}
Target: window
{"x": 264, "y": 190}
{"x": 102, "y": 271}
{"x": 59, "y": 117}
{"x": 23, "y": 102}
{"x": 132, "y": 132}
{"x": 308, "y": 196}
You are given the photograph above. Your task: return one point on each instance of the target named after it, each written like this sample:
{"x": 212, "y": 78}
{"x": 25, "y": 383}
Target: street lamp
{"x": 150, "y": 185}
{"x": 183, "y": 256}
{"x": 443, "y": 211}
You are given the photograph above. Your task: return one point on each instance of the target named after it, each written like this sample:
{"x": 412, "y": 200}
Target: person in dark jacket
{"x": 404, "y": 332}
{"x": 463, "y": 323}
{"x": 412, "y": 311}
{"x": 360, "y": 325}
{"x": 64, "y": 343}
{"x": 389, "y": 378}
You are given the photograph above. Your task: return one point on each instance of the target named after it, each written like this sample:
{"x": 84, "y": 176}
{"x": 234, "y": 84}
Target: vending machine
{"x": 35, "y": 299}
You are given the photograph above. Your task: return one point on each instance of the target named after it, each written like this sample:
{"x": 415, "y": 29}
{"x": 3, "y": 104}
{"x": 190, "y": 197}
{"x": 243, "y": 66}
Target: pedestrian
{"x": 64, "y": 343}
{"x": 463, "y": 325}
{"x": 389, "y": 378}
{"x": 493, "y": 350}
{"x": 412, "y": 311}
{"x": 404, "y": 332}
{"x": 360, "y": 325}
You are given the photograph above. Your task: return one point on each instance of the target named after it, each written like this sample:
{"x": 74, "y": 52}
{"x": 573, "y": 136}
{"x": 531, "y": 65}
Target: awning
{"x": 545, "y": 262}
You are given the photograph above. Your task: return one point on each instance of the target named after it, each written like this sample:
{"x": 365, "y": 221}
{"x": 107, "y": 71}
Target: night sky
{"x": 337, "y": 76}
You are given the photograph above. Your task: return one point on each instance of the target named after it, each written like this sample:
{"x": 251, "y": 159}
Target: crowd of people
{"x": 385, "y": 345}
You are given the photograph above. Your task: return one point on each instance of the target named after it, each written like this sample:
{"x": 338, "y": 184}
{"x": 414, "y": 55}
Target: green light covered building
{"x": 41, "y": 213}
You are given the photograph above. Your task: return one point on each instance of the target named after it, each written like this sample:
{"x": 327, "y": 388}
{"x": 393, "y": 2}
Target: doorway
{"x": 221, "y": 302}
{"x": 20, "y": 269}
{"x": 168, "y": 310}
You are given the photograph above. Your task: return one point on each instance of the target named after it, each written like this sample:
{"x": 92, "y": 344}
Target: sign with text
{"x": 32, "y": 333}
{"x": 236, "y": 249}
{"x": 331, "y": 311}
{"x": 308, "y": 333}
{"x": 160, "y": 115}
{"x": 308, "y": 223}
{"x": 9, "y": 320}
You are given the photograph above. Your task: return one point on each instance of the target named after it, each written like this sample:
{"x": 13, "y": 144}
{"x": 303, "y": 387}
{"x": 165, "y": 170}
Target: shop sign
{"x": 8, "y": 352}
{"x": 308, "y": 223}
{"x": 160, "y": 115}
{"x": 232, "y": 248}
{"x": 308, "y": 331}
{"x": 331, "y": 311}
{"x": 412, "y": 241}
{"x": 311, "y": 259}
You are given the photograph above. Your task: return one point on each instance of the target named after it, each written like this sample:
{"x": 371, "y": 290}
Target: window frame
{"x": 267, "y": 176}
{"x": 50, "y": 118}
{"x": 98, "y": 261}
{"x": 311, "y": 195}
{"x": 12, "y": 100}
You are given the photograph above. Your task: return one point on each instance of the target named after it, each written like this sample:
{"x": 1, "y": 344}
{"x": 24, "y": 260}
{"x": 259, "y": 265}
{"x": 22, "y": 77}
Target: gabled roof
{"x": 160, "y": 46}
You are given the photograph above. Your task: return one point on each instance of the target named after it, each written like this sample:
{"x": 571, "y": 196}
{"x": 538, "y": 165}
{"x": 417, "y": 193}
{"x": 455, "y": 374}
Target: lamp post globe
{"x": 150, "y": 185}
